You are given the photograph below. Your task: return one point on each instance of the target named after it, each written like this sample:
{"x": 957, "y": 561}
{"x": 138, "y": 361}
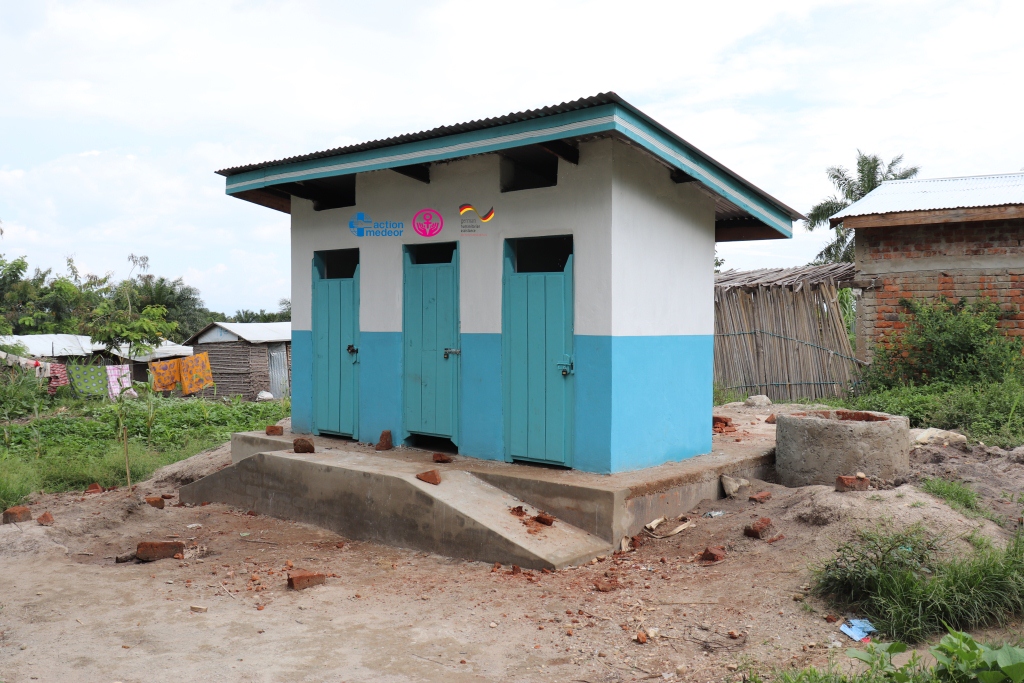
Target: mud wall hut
{"x": 247, "y": 358}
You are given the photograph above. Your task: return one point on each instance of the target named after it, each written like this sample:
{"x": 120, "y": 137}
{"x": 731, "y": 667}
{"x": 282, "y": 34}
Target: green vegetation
{"x": 951, "y": 368}
{"x": 910, "y": 589}
{"x": 47, "y": 303}
{"x": 871, "y": 172}
{"x": 723, "y": 395}
{"x": 954, "y": 343}
{"x": 957, "y": 495}
{"x": 959, "y": 659}
{"x": 73, "y": 443}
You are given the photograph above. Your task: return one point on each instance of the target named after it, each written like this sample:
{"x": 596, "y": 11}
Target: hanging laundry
{"x": 195, "y": 373}
{"x": 89, "y": 381}
{"x": 58, "y": 377}
{"x": 119, "y": 381}
{"x": 43, "y": 370}
{"x": 166, "y": 374}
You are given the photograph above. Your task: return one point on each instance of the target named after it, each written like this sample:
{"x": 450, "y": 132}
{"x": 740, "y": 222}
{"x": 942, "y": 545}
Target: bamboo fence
{"x": 780, "y": 332}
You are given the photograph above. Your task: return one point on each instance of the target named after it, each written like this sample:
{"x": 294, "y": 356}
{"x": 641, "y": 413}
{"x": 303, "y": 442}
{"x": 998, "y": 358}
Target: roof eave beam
{"x": 744, "y": 229}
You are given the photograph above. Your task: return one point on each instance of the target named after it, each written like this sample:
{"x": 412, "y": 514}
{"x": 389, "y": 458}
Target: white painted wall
{"x": 644, "y": 246}
{"x": 663, "y": 248}
{"x": 579, "y": 205}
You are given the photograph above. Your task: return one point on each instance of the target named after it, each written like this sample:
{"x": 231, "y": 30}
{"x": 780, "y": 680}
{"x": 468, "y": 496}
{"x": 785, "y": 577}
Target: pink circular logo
{"x": 427, "y": 222}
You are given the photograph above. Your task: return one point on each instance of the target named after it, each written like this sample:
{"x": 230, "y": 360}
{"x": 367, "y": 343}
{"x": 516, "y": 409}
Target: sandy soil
{"x": 69, "y": 612}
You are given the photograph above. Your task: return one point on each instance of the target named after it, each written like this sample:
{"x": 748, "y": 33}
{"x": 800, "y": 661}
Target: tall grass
{"x": 910, "y": 589}
{"x": 70, "y": 450}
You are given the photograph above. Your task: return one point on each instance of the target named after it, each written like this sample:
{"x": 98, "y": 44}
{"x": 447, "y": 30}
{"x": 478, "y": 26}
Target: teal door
{"x": 430, "y": 326}
{"x": 335, "y": 351}
{"x": 537, "y": 347}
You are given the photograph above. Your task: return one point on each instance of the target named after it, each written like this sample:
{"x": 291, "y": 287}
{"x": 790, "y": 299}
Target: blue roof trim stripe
{"x": 610, "y": 117}
{"x": 689, "y": 161}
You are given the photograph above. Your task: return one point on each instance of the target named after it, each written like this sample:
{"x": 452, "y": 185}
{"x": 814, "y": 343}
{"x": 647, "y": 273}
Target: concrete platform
{"x": 364, "y": 494}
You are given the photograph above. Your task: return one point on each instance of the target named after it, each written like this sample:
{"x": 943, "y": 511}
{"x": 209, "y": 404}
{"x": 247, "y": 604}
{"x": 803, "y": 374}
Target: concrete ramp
{"x": 370, "y": 498}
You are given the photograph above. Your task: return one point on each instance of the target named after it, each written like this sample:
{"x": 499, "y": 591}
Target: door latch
{"x": 565, "y": 365}
{"x": 457, "y": 352}
{"x": 352, "y": 349}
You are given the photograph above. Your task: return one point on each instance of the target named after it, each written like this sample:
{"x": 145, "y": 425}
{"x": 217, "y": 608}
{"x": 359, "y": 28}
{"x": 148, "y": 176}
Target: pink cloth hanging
{"x": 119, "y": 377}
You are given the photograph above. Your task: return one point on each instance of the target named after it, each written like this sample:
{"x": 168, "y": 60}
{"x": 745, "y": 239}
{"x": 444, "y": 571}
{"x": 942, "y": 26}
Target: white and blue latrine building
{"x": 535, "y": 287}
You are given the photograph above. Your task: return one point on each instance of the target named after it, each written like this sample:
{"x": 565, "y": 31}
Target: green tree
{"x": 132, "y": 333}
{"x": 870, "y": 173}
{"x": 183, "y": 303}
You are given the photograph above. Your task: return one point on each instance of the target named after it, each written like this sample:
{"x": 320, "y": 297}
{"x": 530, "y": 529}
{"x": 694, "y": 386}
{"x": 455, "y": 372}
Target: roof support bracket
{"x": 563, "y": 150}
{"x": 678, "y": 176}
{"x": 420, "y": 172}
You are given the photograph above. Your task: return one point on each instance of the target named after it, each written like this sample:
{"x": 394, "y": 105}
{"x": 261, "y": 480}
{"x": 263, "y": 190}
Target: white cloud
{"x": 117, "y": 114}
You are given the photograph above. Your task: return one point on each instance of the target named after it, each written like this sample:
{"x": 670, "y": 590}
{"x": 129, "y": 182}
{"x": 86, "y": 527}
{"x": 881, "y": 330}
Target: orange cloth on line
{"x": 195, "y": 373}
{"x": 166, "y": 374}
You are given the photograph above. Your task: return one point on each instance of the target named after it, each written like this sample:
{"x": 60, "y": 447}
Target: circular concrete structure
{"x": 817, "y": 446}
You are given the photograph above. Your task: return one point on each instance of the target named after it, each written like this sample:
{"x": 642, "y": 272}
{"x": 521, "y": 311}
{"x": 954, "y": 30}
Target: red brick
{"x": 759, "y": 529}
{"x": 770, "y": 419}
{"x": 442, "y": 458}
{"x": 301, "y": 579}
{"x": 156, "y": 501}
{"x": 167, "y": 496}
{"x": 303, "y": 445}
{"x": 94, "y": 488}
{"x": 17, "y": 514}
{"x": 148, "y": 551}
{"x": 713, "y": 554}
{"x": 545, "y": 519}
{"x": 430, "y": 476}
{"x": 275, "y": 430}
{"x": 385, "y": 443}
{"x": 45, "y": 519}
{"x": 761, "y": 497}
{"x": 846, "y": 483}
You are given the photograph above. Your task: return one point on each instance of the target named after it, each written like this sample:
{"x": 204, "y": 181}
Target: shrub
{"x": 945, "y": 341}
{"x": 991, "y": 412}
{"x": 910, "y": 590}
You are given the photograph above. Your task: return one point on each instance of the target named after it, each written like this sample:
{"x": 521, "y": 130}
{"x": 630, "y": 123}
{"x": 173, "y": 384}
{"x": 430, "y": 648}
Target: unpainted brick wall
{"x": 967, "y": 270}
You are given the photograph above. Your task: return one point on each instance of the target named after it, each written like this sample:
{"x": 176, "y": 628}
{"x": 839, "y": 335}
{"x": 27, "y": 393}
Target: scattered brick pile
{"x": 722, "y": 425}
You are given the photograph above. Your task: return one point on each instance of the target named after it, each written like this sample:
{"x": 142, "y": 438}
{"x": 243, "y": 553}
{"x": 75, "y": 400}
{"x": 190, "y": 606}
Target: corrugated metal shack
{"x": 780, "y": 332}
{"x": 247, "y": 358}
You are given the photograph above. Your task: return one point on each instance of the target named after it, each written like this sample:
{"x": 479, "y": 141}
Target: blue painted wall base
{"x": 640, "y": 401}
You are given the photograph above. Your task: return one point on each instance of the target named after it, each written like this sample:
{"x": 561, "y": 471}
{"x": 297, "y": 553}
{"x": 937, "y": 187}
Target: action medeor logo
{"x": 362, "y": 225}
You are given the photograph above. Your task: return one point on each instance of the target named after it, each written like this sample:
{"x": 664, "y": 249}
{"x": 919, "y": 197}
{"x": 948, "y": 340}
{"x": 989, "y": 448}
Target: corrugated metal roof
{"x": 514, "y": 117}
{"x": 440, "y": 131}
{"x": 52, "y": 345}
{"x": 254, "y": 333}
{"x": 939, "y": 193}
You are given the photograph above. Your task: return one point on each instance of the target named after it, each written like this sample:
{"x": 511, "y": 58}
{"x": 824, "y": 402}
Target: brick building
{"x": 958, "y": 237}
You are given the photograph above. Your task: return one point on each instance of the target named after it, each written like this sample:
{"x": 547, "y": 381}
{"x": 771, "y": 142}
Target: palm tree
{"x": 871, "y": 172}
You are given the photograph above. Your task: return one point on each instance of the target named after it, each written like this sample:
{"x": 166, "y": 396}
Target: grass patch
{"x": 906, "y": 584}
{"x": 71, "y": 449}
{"x": 723, "y": 395}
{"x": 959, "y": 497}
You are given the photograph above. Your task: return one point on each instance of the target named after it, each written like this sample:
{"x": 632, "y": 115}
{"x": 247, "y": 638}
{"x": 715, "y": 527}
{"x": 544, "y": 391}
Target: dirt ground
{"x": 68, "y": 611}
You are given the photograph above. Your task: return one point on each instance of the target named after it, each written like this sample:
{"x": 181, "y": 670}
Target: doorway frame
{"x": 508, "y": 269}
{"x": 317, "y": 263}
{"x": 456, "y": 436}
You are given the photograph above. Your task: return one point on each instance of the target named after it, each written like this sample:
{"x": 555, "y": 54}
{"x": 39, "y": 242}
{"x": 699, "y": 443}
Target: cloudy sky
{"x": 114, "y": 115}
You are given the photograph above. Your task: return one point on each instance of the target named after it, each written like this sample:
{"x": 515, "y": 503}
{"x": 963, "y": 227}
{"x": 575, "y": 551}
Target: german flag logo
{"x": 465, "y": 208}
